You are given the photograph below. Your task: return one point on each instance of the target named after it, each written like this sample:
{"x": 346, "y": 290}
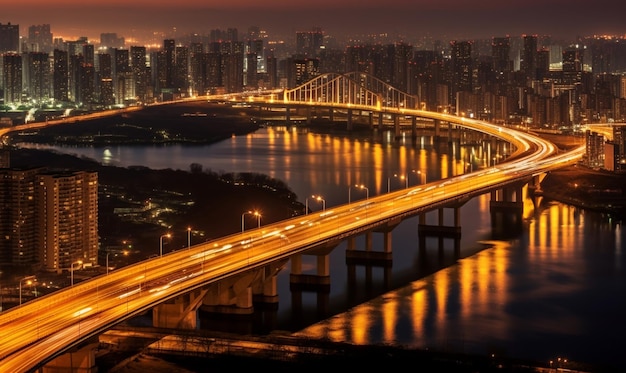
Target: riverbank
{"x": 577, "y": 185}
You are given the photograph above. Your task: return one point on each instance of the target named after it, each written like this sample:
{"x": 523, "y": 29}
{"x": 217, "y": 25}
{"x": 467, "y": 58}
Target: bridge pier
{"x": 437, "y": 129}
{"x": 380, "y": 121}
{"x": 413, "y": 127}
{"x": 441, "y": 231}
{"x": 396, "y": 126}
{"x": 231, "y": 295}
{"x": 308, "y": 116}
{"x": 80, "y": 359}
{"x": 507, "y": 208}
{"x": 180, "y": 312}
{"x": 318, "y": 283}
{"x": 349, "y": 123}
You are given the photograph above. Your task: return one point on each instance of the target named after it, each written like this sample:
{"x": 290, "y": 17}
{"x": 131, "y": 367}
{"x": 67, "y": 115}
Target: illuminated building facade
{"x": 67, "y": 219}
{"x": 48, "y": 219}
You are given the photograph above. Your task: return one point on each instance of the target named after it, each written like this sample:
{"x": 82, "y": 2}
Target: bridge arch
{"x": 355, "y": 88}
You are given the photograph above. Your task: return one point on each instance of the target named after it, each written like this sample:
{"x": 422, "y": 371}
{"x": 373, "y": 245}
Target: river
{"x": 556, "y": 288}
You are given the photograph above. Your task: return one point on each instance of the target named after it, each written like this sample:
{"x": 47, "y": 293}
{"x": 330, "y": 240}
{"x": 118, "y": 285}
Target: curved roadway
{"x": 37, "y": 331}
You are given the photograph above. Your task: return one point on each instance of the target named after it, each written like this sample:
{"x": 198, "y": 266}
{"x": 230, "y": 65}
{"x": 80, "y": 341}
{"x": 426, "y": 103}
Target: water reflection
{"x": 549, "y": 293}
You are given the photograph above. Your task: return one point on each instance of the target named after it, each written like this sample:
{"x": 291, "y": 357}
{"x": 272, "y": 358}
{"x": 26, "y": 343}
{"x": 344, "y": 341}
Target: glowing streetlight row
{"x": 315, "y": 198}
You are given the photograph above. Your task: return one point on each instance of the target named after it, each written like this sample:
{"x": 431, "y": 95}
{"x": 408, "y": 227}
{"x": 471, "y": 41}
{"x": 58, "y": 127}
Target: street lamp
{"x": 255, "y": 213}
{"x": 168, "y": 235}
{"x": 367, "y": 191}
{"x": 188, "y": 237}
{"x": 79, "y": 262}
{"x": 107, "y": 261}
{"x": 318, "y": 199}
{"x": 29, "y": 280}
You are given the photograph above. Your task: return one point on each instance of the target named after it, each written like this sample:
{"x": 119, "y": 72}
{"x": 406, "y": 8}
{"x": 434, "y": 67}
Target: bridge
{"x": 229, "y": 271}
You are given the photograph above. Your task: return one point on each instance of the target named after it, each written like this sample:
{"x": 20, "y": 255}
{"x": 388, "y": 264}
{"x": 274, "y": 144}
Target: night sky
{"x": 445, "y": 19}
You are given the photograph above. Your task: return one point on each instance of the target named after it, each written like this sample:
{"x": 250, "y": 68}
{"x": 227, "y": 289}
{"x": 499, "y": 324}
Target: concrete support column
{"x": 349, "y": 124}
{"x": 387, "y": 241}
{"x": 371, "y": 120}
{"x": 380, "y": 121}
{"x": 296, "y": 264}
{"x": 331, "y": 114}
{"x": 396, "y": 125}
{"x": 414, "y": 127}
{"x": 351, "y": 242}
{"x": 368, "y": 241}
{"x": 457, "y": 217}
{"x": 82, "y": 359}
{"x": 308, "y": 115}
{"x": 323, "y": 265}
{"x": 287, "y": 114}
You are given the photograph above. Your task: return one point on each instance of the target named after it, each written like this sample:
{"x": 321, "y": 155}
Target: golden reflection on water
{"x": 428, "y": 303}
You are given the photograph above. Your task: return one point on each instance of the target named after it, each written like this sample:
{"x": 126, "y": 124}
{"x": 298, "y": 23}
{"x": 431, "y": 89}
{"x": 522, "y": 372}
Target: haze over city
{"x": 445, "y": 19}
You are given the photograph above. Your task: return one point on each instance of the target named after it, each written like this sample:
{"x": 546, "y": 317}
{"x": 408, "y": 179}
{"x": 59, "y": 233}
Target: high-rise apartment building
{"x": 12, "y": 77}
{"x": 528, "y": 62}
{"x": 38, "y": 76}
{"x": 309, "y": 43}
{"x": 48, "y": 219}
{"x": 138, "y": 66}
{"x": 105, "y": 74}
{"x": 18, "y": 225}
{"x": 60, "y": 75}
{"x": 9, "y": 38}
{"x": 67, "y": 219}
{"x": 40, "y": 38}
{"x": 461, "y": 66}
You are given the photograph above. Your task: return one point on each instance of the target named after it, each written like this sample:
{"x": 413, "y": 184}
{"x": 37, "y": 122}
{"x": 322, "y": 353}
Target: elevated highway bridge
{"x": 228, "y": 271}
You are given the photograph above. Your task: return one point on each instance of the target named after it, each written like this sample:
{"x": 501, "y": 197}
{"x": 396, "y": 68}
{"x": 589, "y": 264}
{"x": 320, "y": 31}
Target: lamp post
{"x": 188, "y": 237}
{"x": 107, "y": 261}
{"x": 168, "y": 235}
{"x": 29, "y": 280}
{"x": 79, "y": 262}
{"x": 367, "y": 191}
{"x": 319, "y": 198}
{"x": 243, "y": 221}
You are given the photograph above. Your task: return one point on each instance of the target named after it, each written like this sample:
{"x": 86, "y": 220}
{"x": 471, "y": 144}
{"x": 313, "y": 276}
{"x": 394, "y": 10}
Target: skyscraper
{"x": 12, "y": 77}
{"x": 9, "y": 38}
{"x": 461, "y": 66}
{"x": 40, "y": 37}
{"x": 60, "y": 77}
{"x": 38, "y": 81}
{"x": 528, "y": 62}
{"x": 139, "y": 70}
{"x": 18, "y": 225}
{"x": 67, "y": 218}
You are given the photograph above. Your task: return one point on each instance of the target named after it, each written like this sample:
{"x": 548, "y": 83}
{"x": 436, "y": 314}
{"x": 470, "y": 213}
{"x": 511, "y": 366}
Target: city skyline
{"x": 447, "y": 19}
